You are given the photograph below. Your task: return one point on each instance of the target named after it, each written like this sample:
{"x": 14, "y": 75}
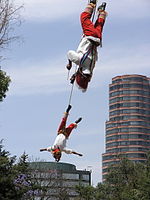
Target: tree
{"x": 129, "y": 180}
{"x": 4, "y": 84}
{"x": 7, "y": 175}
{"x": 85, "y": 193}
{"x": 9, "y": 19}
{"x": 124, "y": 181}
{"x": 15, "y": 177}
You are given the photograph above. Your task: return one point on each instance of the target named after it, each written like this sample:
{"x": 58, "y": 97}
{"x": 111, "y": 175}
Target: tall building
{"x": 60, "y": 179}
{"x": 128, "y": 127}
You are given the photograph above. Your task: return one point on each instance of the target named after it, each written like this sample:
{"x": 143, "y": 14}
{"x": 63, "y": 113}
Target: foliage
{"x": 9, "y": 19}
{"x": 86, "y": 193}
{"x": 127, "y": 180}
{"x": 15, "y": 178}
{"x": 4, "y": 84}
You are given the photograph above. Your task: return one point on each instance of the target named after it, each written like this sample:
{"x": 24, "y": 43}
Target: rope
{"x": 71, "y": 92}
{"x": 70, "y": 97}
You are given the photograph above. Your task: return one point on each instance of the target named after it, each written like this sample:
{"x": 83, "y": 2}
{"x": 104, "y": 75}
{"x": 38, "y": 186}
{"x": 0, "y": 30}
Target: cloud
{"x": 119, "y": 61}
{"x": 37, "y": 78}
{"x": 50, "y": 77}
{"x": 49, "y": 10}
{"x": 129, "y": 9}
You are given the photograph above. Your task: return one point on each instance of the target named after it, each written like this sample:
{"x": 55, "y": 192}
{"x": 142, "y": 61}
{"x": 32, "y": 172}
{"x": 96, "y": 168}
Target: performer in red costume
{"x": 86, "y": 54}
{"x": 64, "y": 132}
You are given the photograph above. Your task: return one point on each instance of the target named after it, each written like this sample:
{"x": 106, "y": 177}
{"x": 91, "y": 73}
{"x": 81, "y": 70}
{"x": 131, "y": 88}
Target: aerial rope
{"x": 72, "y": 87}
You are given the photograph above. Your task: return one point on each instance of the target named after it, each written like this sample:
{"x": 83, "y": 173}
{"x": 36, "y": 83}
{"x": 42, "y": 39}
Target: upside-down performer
{"x": 86, "y": 54}
{"x": 63, "y": 134}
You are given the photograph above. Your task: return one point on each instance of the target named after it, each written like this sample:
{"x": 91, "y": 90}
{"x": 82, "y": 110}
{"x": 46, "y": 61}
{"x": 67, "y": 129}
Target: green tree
{"x": 4, "y": 84}
{"x": 7, "y": 175}
{"x": 15, "y": 177}
{"x": 86, "y": 192}
{"x": 128, "y": 180}
{"x": 9, "y": 20}
{"x": 125, "y": 181}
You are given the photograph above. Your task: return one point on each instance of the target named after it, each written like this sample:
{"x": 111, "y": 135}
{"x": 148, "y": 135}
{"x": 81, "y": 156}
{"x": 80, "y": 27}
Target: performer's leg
{"x": 87, "y": 25}
{"x": 62, "y": 125}
{"x": 100, "y": 21}
{"x": 71, "y": 127}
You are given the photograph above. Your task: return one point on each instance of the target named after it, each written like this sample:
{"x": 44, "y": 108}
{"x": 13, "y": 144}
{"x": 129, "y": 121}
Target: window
{"x": 85, "y": 177}
{"x": 125, "y": 143}
{"x": 70, "y": 176}
{"x": 125, "y": 149}
{"x": 127, "y": 117}
{"x": 128, "y": 136}
{"x": 126, "y": 92}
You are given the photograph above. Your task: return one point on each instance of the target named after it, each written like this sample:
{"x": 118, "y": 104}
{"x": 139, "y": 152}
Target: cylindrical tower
{"x": 128, "y": 128}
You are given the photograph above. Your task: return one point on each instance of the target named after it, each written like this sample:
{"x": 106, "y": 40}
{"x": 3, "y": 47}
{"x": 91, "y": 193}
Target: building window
{"x": 70, "y": 176}
{"x": 126, "y": 143}
{"x": 126, "y": 92}
{"x": 85, "y": 177}
{"x": 128, "y": 136}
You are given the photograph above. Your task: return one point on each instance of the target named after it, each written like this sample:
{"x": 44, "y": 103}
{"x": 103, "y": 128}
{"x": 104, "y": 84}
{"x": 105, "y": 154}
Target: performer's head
{"x": 56, "y": 154}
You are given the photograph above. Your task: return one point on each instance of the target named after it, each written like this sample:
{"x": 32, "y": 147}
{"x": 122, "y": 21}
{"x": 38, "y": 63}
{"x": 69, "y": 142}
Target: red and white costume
{"x": 63, "y": 134}
{"x": 86, "y": 54}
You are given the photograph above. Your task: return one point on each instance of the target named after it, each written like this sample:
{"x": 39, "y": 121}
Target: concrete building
{"x": 60, "y": 179}
{"x": 128, "y": 127}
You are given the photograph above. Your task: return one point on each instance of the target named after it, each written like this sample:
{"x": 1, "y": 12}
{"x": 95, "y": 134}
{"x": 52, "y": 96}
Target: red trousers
{"x": 90, "y": 29}
{"x": 62, "y": 127}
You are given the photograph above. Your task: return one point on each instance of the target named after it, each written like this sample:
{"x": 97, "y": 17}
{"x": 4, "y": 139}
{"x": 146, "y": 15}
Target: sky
{"x": 39, "y": 91}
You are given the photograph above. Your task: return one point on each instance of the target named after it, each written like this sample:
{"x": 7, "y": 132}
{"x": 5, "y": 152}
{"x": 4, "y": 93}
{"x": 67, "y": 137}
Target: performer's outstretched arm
{"x": 79, "y": 154}
{"x": 70, "y": 151}
{"x": 45, "y": 149}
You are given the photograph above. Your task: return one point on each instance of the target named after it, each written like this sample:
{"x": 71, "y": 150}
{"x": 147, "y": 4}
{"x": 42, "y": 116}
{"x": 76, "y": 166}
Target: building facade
{"x": 128, "y": 127}
{"x": 60, "y": 179}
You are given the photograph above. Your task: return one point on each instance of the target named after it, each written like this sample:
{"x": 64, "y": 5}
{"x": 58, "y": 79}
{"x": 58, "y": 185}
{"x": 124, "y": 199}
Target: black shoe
{"x": 93, "y": 1}
{"x": 78, "y": 120}
{"x": 72, "y": 78}
{"x": 68, "y": 109}
{"x": 102, "y": 7}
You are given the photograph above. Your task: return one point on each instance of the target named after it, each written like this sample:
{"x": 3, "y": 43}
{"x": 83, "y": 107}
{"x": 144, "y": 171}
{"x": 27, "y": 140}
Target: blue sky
{"x": 39, "y": 91}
